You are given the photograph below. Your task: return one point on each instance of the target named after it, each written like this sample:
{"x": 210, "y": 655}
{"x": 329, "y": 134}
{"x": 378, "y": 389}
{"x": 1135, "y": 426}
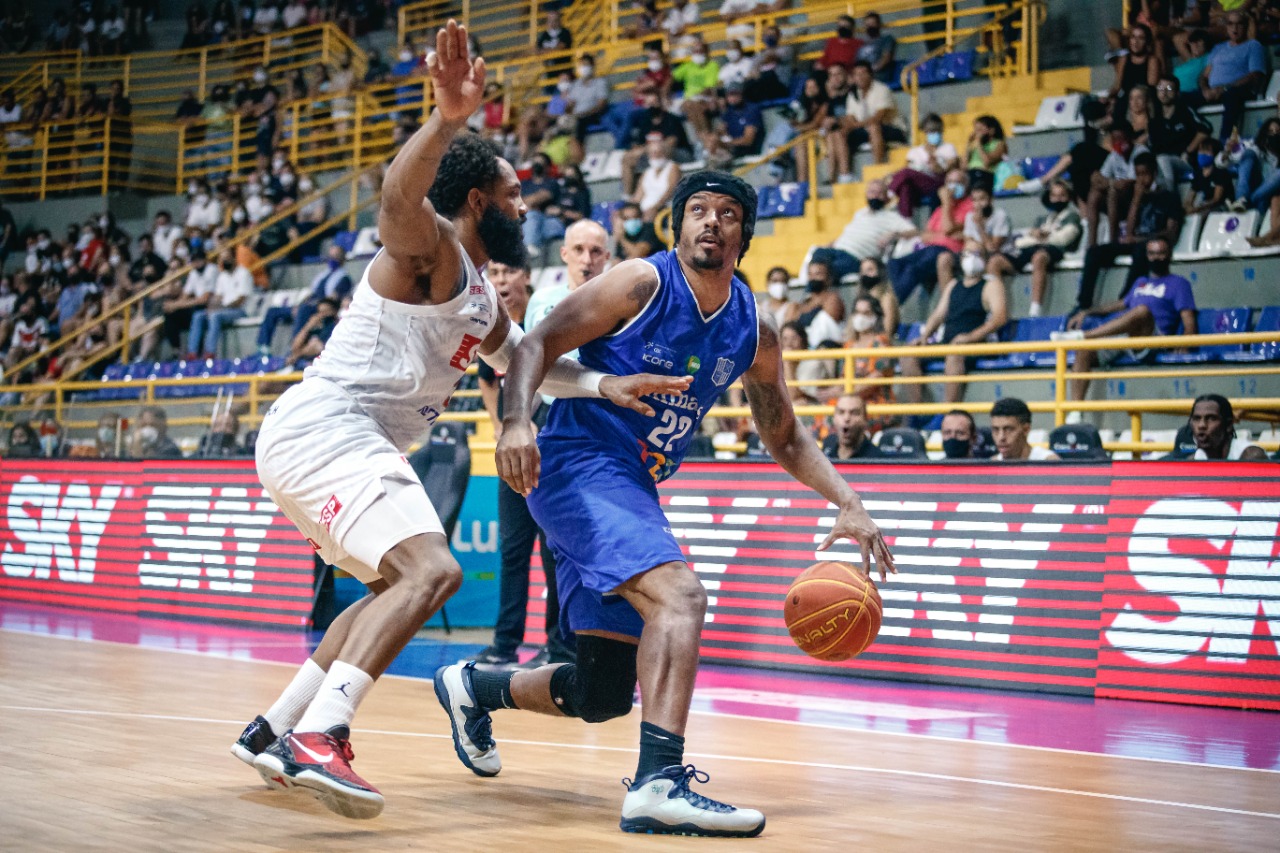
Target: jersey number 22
{"x": 673, "y": 428}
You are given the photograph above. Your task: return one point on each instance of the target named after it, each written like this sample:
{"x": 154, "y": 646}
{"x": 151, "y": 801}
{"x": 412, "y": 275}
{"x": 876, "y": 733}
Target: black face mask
{"x": 502, "y": 237}
{"x": 956, "y": 448}
{"x": 873, "y": 32}
{"x": 816, "y": 285}
{"x": 875, "y": 203}
{"x": 844, "y": 32}
{"x": 1056, "y": 206}
{"x": 539, "y": 168}
{"x": 1160, "y": 268}
{"x": 988, "y": 210}
{"x": 868, "y": 281}
{"x": 228, "y": 265}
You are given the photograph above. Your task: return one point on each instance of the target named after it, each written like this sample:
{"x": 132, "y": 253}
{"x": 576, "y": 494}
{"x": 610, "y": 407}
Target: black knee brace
{"x": 601, "y": 685}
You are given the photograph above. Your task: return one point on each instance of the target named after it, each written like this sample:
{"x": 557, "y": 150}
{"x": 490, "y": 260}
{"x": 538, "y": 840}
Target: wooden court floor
{"x": 116, "y": 747}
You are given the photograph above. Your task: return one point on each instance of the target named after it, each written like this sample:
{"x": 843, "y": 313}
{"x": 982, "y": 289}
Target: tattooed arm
{"x": 796, "y": 451}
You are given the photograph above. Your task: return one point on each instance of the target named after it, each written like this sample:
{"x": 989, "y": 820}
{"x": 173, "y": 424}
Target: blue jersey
{"x": 670, "y": 336}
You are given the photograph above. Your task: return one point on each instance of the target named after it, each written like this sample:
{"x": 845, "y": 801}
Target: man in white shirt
{"x": 736, "y": 67}
{"x": 869, "y": 234}
{"x": 870, "y": 115}
{"x": 987, "y": 224}
{"x": 231, "y": 288}
{"x": 204, "y": 211}
{"x": 1010, "y": 426}
{"x": 165, "y": 234}
{"x": 11, "y": 120}
{"x": 195, "y": 294}
{"x": 588, "y": 99}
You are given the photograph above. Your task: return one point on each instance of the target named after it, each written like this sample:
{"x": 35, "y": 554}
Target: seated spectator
{"x": 654, "y": 80}
{"x": 868, "y": 330}
{"x": 836, "y": 88}
{"x": 1159, "y": 303}
{"x": 927, "y": 164}
{"x": 23, "y": 443}
{"x": 1141, "y": 114}
{"x": 574, "y": 203}
{"x": 771, "y": 68}
{"x": 1212, "y": 186}
{"x": 1236, "y": 69}
{"x": 653, "y": 118}
{"x": 587, "y": 100}
{"x": 1188, "y": 71}
{"x": 870, "y": 234}
{"x": 633, "y": 237}
{"x": 1010, "y": 426}
{"x": 879, "y": 48}
{"x": 680, "y": 16}
{"x": 959, "y": 434}
{"x": 231, "y": 288}
{"x": 807, "y": 112}
{"x": 266, "y": 19}
{"x": 870, "y": 116}
{"x": 555, "y": 36}
{"x": 204, "y": 211}
{"x": 179, "y": 304}
{"x": 942, "y": 239}
{"x": 821, "y": 314}
{"x": 738, "y": 132}
{"x": 1257, "y": 166}
{"x": 332, "y": 283}
{"x": 736, "y": 68}
{"x": 698, "y": 77}
{"x": 1140, "y": 66}
{"x": 842, "y": 48}
{"x": 776, "y": 304}
{"x": 12, "y": 120}
{"x": 1153, "y": 212}
{"x": 986, "y": 224}
{"x": 109, "y": 438}
{"x": 408, "y": 62}
{"x": 1043, "y": 246}
{"x": 849, "y": 438}
{"x": 798, "y": 374}
{"x": 647, "y": 20}
{"x": 540, "y": 191}
{"x": 873, "y": 282}
{"x": 189, "y": 108}
{"x": 310, "y": 340}
{"x": 1213, "y": 427}
{"x": 987, "y": 151}
{"x": 150, "y": 438}
{"x": 30, "y": 330}
{"x": 1180, "y": 130}
{"x": 970, "y": 309}
{"x": 1113, "y": 185}
{"x": 1082, "y": 163}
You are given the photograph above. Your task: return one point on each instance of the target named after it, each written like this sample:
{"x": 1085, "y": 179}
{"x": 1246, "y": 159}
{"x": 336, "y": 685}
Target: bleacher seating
{"x": 1226, "y": 234}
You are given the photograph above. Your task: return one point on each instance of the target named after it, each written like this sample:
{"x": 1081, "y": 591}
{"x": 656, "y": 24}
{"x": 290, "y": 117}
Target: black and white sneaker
{"x": 472, "y": 726}
{"x": 662, "y": 804}
{"x": 253, "y": 741}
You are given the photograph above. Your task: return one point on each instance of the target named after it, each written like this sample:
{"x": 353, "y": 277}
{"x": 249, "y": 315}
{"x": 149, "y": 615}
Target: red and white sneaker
{"x": 321, "y": 763}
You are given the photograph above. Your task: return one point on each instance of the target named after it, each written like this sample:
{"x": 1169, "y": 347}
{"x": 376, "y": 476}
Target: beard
{"x": 502, "y": 237}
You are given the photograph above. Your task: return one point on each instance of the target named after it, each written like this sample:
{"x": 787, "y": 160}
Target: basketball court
{"x": 118, "y": 728}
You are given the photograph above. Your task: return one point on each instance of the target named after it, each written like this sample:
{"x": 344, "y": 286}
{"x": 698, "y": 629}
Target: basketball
{"x": 832, "y": 611}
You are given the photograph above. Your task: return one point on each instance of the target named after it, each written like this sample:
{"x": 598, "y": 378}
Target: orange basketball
{"x": 832, "y": 611}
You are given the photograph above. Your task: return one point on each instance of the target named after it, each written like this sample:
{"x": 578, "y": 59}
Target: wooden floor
{"x": 115, "y": 747}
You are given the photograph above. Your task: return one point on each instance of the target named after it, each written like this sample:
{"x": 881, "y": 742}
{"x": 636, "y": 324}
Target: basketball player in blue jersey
{"x": 591, "y": 479}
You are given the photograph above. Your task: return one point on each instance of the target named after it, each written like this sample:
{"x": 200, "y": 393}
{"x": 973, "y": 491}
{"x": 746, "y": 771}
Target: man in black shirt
{"x": 146, "y": 257}
{"x": 849, "y": 440}
{"x": 653, "y": 118}
{"x": 555, "y": 36}
{"x": 1177, "y": 131}
{"x": 1152, "y": 213}
{"x": 632, "y": 236}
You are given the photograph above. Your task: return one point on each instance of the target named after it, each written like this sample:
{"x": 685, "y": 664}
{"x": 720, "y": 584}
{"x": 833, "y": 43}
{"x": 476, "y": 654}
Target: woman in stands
{"x": 1043, "y": 246}
{"x": 927, "y": 165}
{"x": 867, "y": 329}
{"x": 987, "y": 150}
{"x": 1142, "y": 114}
{"x": 807, "y": 113}
{"x": 1139, "y": 67}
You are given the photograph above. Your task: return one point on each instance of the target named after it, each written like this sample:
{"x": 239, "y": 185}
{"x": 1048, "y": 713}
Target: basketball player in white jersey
{"x": 330, "y": 452}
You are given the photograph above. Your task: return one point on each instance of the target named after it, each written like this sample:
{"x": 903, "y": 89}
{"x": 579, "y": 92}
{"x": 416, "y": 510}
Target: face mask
{"x": 972, "y": 264}
{"x": 114, "y": 260}
{"x": 334, "y": 263}
{"x": 632, "y": 227}
{"x": 955, "y": 448}
{"x": 875, "y": 203}
{"x": 655, "y": 65}
{"x": 1121, "y": 148}
{"x": 777, "y": 290}
{"x": 934, "y": 138}
{"x": 201, "y": 198}
{"x": 957, "y": 191}
{"x": 862, "y": 323}
{"x": 1057, "y": 206}
{"x": 228, "y": 265}
{"x": 1205, "y": 160}
{"x": 260, "y": 77}
{"x": 733, "y": 55}
{"x": 816, "y": 285}
{"x": 873, "y": 32}
{"x": 699, "y": 59}
{"x": 406, "y": 56}
{"x": 868, "y": 281}
{"x": 237, "y": 216}
{"x": 538, "y": 168}
{"x": 306, "y": 186}
{"x": 181, "y": 250}
{"x": 148, "y": 434}
{"x": 770, "y": 41}
{"x": 42, "y": 244}
{"x": 584, "y": 71}
{"x": 987, "y": 210}
{"x": 287, "y": 179}
{"x": 193, "y": 188}
{"x": 106, "y": 435}
{"x": 103, "y": 222}
{"x": 1160, "y": 268}
{"x": 844, "y": 32}
{"x": 564, "y": 86}
{"x": 277, "y": 163}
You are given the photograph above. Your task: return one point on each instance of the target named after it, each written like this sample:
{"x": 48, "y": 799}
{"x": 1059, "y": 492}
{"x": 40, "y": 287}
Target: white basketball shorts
{"x": 339, "y": 479}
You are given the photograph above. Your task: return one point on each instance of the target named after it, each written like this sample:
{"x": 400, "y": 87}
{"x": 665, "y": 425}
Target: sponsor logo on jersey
{"x": 476, "y": 290}
{"x": 331, "y": 509}
{"x": 466, "y": 352}
{"x": 430, "y": 413}
{"x": 724, "y": 369}
{"x": 691, "y": 364}
{"x": 658, "y": 356}
{"x": 688, "y": 402}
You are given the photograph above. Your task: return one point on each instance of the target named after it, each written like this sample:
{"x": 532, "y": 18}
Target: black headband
{"x": 721, "y": 183}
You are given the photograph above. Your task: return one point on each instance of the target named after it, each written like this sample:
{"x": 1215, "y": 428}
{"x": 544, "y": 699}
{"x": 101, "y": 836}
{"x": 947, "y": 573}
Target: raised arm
{"x": 796, "y": 451}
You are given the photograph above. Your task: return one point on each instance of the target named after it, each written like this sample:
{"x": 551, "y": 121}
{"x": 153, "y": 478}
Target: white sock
{"x": 339, "y": 696}
{"x": 1035, "y": 310}
{"x": 296, "y": 697}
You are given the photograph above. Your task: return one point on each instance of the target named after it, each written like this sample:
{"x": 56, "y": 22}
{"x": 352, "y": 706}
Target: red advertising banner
{"x": 184, "y": 539}
{"x": 1137, "y": 580}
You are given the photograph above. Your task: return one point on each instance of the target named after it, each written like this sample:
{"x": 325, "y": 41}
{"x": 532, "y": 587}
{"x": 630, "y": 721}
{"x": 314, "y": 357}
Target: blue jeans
{"x": 276, "y": 316}
{"x": 1253, "y": 184}
{"x": 207, "y": 326}
{"x": 540, "y": 229}
{"x": 916, "y": 269}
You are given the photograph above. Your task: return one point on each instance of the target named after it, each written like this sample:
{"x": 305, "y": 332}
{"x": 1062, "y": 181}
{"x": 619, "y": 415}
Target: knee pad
{"x": 601, "y": 685}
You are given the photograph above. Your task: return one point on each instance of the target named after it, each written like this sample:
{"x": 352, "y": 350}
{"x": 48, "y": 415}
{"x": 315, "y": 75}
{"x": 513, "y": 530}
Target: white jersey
{"x": 400, "y": 363}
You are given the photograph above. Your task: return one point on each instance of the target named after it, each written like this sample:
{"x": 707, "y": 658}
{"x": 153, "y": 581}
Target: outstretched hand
{"x": 457, "y": 81}
{"x": 854, "y": 524}
{"x": 626, "y": 391}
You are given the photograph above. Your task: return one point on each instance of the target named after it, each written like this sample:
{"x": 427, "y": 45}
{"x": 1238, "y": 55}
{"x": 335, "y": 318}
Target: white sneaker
{"x": 472, "y": 727}
{"x": 662, "y": 804}
{"x": 1067, "y": 335}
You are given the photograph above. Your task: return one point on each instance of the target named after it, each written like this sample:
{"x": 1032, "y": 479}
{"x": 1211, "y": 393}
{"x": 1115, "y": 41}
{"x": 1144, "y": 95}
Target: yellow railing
{"x": 155, "y": 80}
{"x": 504, "y": 29}
{"x": 89, "y": 156}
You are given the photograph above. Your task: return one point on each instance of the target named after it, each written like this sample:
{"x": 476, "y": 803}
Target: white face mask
{"x": 114, "y": 260}
{"x": 237, "y": 216}
{"x": 655, "y": 65}
{"x": 260, "y": 77}
{"x": 777, "y": 290}
{"x": 305, "y": 185}
{"x": 733, "y": 55}
{"x": 148, "y": 434}
{"x": 277, "y": 163}
{"x": 564, "y": 86}
{"x": 972, "y": 264}
{"x": 106, "y": 435}
{"x": 699, "y": 59}
{"x": 584, "y": 71}
{"x": 406, "y": 56}
{"x": 287, "y": 179}
{"x": 862, "y": 323}
{"x": 103, "y": 222}
{"x": 202, "y": 199}
{"x": 181, "y": 250}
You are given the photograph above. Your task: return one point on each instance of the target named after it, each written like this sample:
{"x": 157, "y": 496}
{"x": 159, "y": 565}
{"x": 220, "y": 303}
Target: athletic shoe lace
{"x": 480, "y": 730}
{"x": 344, "y": 748}
{"x": 690, "y": 773}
